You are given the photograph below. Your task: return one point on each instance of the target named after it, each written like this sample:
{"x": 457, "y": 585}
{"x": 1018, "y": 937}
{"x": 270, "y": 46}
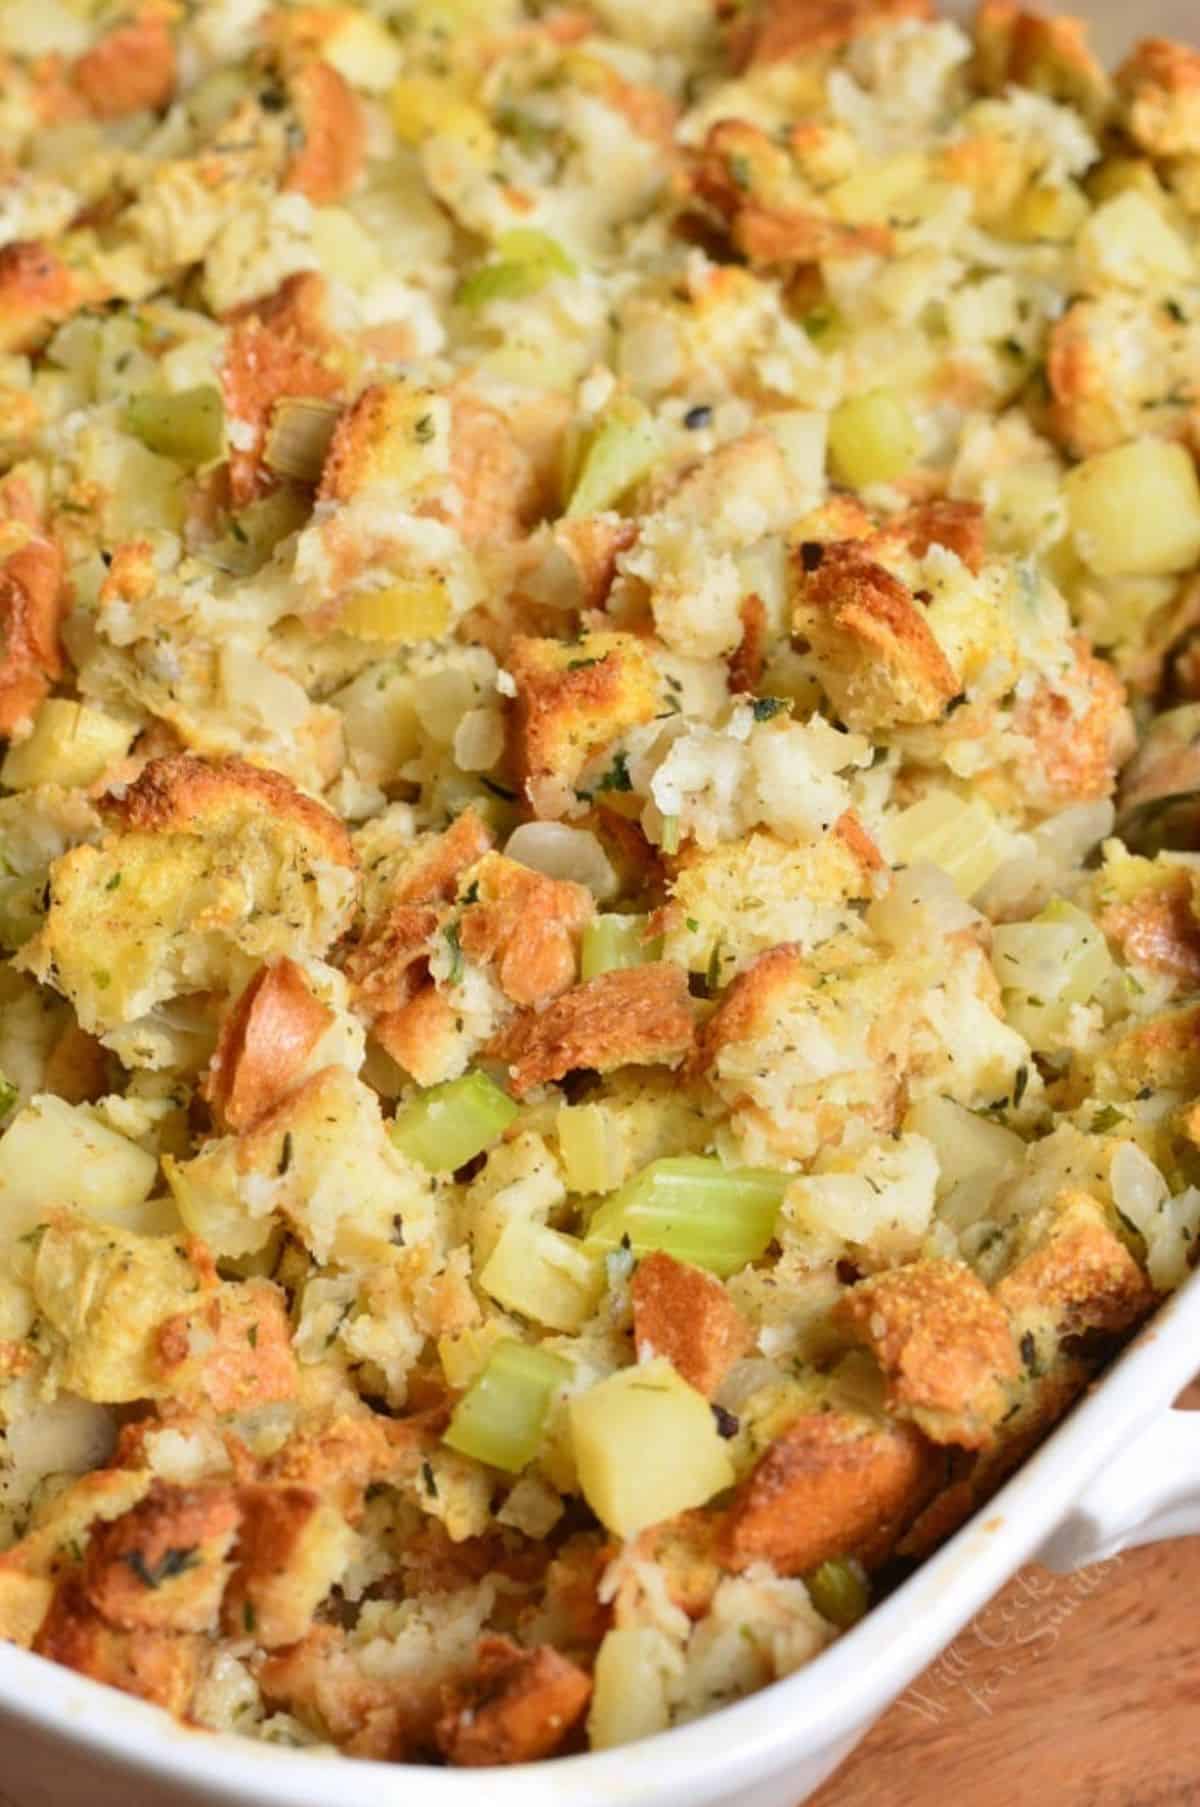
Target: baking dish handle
{"x": 1150, "y": 1490}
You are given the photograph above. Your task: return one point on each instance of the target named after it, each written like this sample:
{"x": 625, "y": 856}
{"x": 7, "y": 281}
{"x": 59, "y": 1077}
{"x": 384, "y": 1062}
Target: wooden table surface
{"x": 1066, "y": 1691}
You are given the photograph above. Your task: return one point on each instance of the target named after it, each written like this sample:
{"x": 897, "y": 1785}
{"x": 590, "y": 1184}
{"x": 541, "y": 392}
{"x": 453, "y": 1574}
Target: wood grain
{"x": 1066, "y": 1691}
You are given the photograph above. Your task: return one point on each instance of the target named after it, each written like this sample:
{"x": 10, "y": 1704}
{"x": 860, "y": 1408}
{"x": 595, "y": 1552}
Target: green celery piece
{"x": 611, "y": 942}
{"x": 623, "y": 449}
{"x": 839, "y": 1591}
{"x": 188, "y": 426}
{"x": 712, "y": 1216}
{"x": 450, "y": 1124}
{"x": 501, "y": 1416}
{"x": 526, "y": 261}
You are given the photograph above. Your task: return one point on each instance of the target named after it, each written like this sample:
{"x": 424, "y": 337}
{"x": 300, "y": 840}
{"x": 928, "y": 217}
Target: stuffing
{"x": 130, "y": 69}
{"x": 322, "y": 1158}
{"x": 32, "y": 601}
{"x": 1047, "y": 56}
{"x": 637, "y": 1017}
{"x": 598, "y": 990}
{"x": 1158, "y": 86}
{"x": 831, "y": 1485}
{"x": 877, "y": 654}
{"x": 38, "y": 290}
{"x": 1072, "y": 1273}
{"x": 686, "y": 1315}
{"x": 162, "y": 1667}
{"x": 527, "y": 925}
{"x": 571, "y": 704}
{"x": 205, "y": 864}
{"x": 264, "y": 1045}
{"x": 517, "y": 1705}
{"x": 291, "y": 1549}
{"x": 107, "y": 1292}
{"x": 775, "y": 31}
{"x": 277, "y": 348}
{"x": 163, "y": 1565}
{"x": 943, "y": 1344}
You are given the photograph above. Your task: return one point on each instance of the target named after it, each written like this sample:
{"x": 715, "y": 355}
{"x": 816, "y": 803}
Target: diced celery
{"x": 610, "y": 942}
{"x": 1060, "y": 957}
{"x": 715, "y": 1217}
{"x": 621, "y": 451}
{"x": 188, "y": 426}
{"x": 500, "y": 1420}
{"x": 589, "y": 1147}
{"x": 646, "y": 1446}
{"x": 872, "y": 438}
{"x": 450, "y": 1124}
{"x": 839, "y": 1591}
{"x": 526, "y": 261}
{"x": 554, "y": 1279}
{"x": 964, "y": 839}
{"x": 299, "y": 435}
{"x": 406, "y": 611}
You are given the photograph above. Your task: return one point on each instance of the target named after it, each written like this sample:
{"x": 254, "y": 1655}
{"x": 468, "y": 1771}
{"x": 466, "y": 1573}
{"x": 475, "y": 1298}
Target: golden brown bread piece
{"x": 528, "y": 925}
{"x": 1074, "y": 1272}
{"x": 243, "y": 1349}
{"x": 515, "y": 1706}
{"x": 159, "y": 1666}
{"x": 281, "y": 346}
{"x": 163, "y": 1565}
{"x": 774, "y": 31}
{"x": 32, "y": 603}
{"x": 130, "y": 69}
{"x": 944, "y": 1346}
{"x": 1159, "y": 928}
{"x": 686, "y": 1315}
{"x": 331, "y": 157}
{"x": 833, "y": 1484}
{"x": 640, "y": 1016}
{"x": 263, "y": 1045}
{"x": 879, "y": 658}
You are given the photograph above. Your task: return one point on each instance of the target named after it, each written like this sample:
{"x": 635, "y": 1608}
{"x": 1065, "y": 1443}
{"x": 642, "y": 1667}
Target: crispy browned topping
{"x": 528, "y": 925}
{"x": 1076, "y": 1272}
{"x": 944, "y": 1346}
{"x": 159, "y": 1666}
{"x": 174, "y": 795}
{"x": 686, "y": 1315}
{"x": 163, "y": 1565}
{"x": 31, "y": 610}
{"x": 831, "y": 1485}
{"x": 263, "y": 1045}
{"x": 131, "y": 69}
{"x": 330, "y": 160}
{"x": 637, "y": 1017}
{"x": 515, "y": 1707}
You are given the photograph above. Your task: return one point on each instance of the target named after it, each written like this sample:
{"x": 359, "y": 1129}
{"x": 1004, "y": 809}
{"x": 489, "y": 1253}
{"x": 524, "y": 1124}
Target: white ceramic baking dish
{"x": 1123, "y": 1469}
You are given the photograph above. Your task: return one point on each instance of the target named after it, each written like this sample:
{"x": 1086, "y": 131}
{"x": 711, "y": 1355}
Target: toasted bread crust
{"x": 528, "y": 925}
{"x": 1077, "y": 753}
{"x": 571, "y": 703}
{"x": 515, "y": 1707}
{"x": 175, "y": 794}
{"x": 131, "y": 69}
{"x": 277, "y": 348}
{"x": 1050, "y": 55}
{"x": 1159, "y": 928}
{"x": 31, "y": 611}
{"x": 263, "y": 1045}
{"x": 686, "y": 1315}
{"x": 159, "y": 1666}
{"x": 944, "y": 1346}
{"x": 749, "y": 182}
{"x": 1078, "y": 1274}
{"x": 640, "y": 1016}
{"x": 245, "y": 1339}
{"x": 832, "y": 1485}
{"x": 331, "y": 158}
{"x": 880, "y": 659}
{"x": 748, "y": 657}
{"x": 958, "y": 526}
{"x": 162, "y": 1564}
{"x": 1159, "y": 86}
{"x": 777, "y": 30}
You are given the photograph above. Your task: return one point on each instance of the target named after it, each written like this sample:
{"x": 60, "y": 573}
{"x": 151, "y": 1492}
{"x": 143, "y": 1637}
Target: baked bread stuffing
{"x": 599, "y": 677}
